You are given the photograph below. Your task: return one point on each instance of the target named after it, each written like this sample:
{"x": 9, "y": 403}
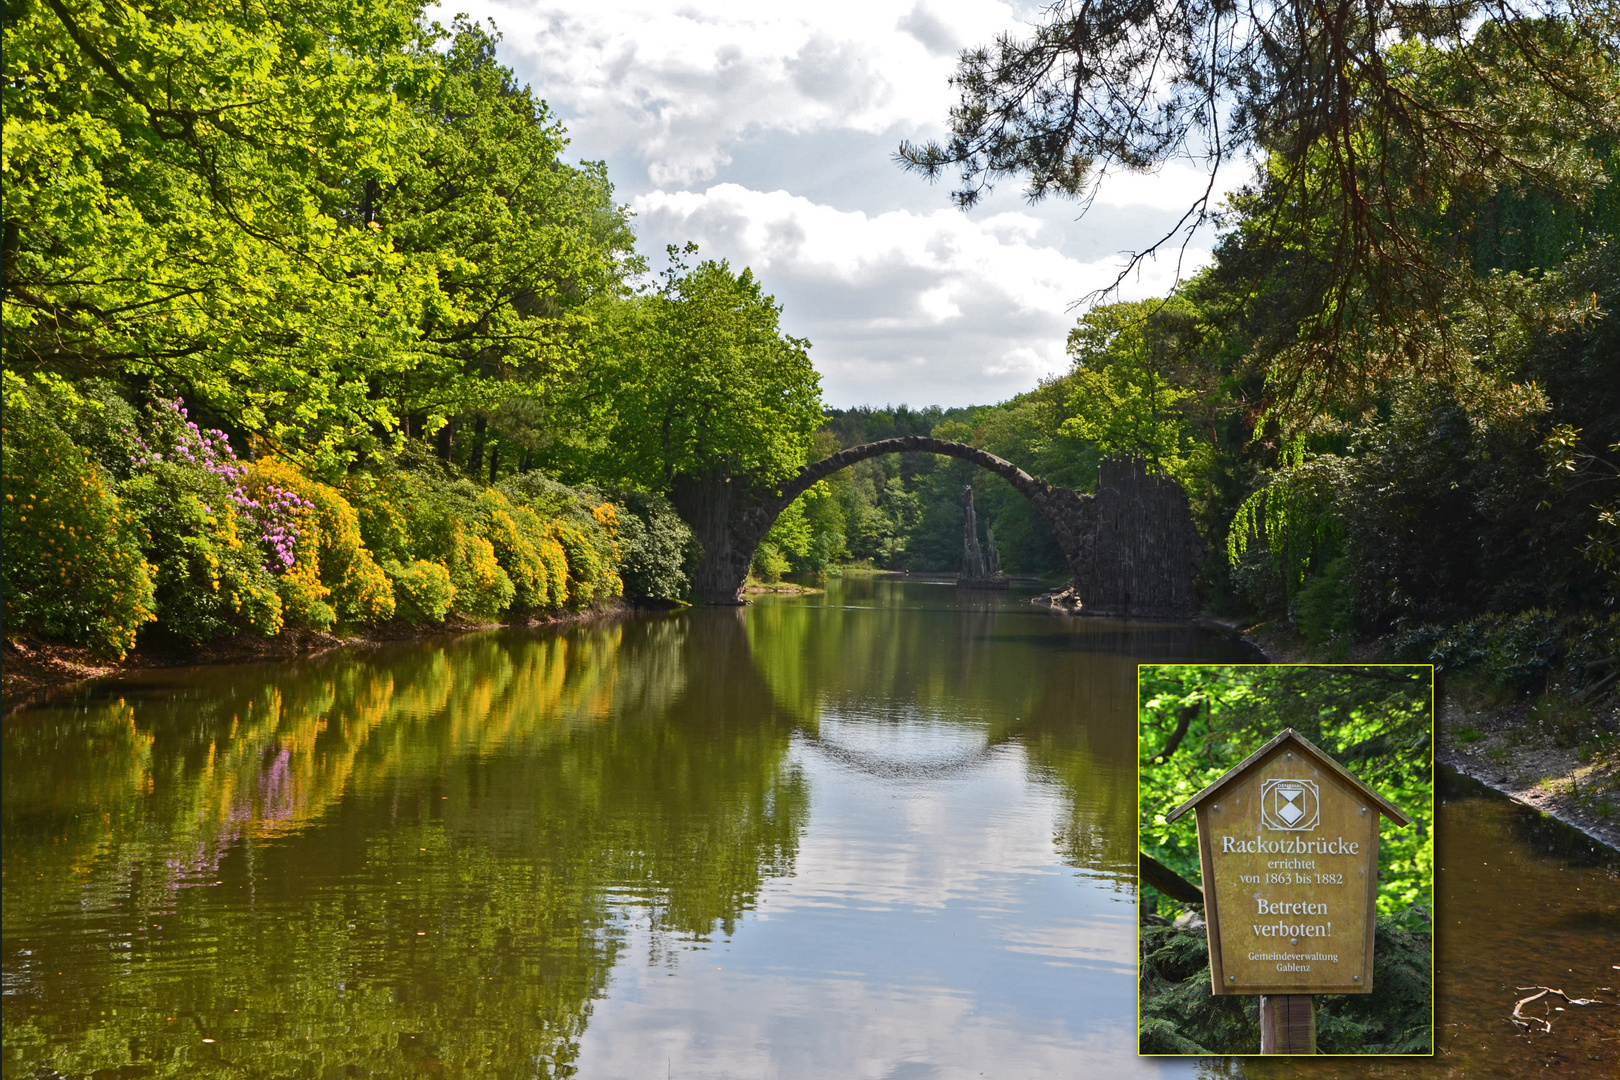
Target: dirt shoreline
{"x": 1482, "y": 742}
{"x": 32, "y": 670}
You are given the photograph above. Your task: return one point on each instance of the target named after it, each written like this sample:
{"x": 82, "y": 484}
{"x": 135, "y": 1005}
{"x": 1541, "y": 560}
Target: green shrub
{"x": 100, "y": 423}
{"x": 73, "y": 569}
{"x": 769, "y": 562}
{"x": 1417, "y": 645}
{"x": 1325, "y": 608}
{"x": 655, "y": 547}
{"x": 384, "y": 525}
{"x": 549, "y": 499}
{"x": 1178, "y": 1014}
{"x": 210, "y": 582}
{"x": 1518, "y": 653}
{"x": 422, "y": 590}
{"x": 1520, "y": 650}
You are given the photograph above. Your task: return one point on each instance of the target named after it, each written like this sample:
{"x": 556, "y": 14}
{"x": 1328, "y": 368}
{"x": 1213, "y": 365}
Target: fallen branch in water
{"x": 1542, "y": 991}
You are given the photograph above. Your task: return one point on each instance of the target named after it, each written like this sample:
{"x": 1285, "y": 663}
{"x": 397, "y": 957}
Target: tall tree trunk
{"x": 494, "y": 462}
{"x": 476, "y": 462}
{"x": 446, "y": 441}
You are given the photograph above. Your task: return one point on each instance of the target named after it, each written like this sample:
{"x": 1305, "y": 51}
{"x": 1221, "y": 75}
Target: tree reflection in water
{"x": 420, "y": 858}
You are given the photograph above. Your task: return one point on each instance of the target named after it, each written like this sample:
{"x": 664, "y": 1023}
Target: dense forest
{"x": 310, "y": 323}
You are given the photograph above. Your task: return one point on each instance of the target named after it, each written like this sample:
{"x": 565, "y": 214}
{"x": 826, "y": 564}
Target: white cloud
{"x": 674, "y": 84}
{"x": 1173, "y": 188}
{"x": 953, "y": 307}
{"x": 766, "y": 133}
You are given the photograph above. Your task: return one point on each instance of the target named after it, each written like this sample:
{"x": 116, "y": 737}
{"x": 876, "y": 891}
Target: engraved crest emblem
{"x": 1289, "y": 805}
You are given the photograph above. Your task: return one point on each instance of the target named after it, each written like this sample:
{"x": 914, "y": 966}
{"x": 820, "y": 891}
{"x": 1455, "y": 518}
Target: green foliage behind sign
{"x": 1198, "y": 722}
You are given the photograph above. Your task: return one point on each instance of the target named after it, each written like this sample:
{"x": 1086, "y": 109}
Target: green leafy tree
{"x": 311, "y": 220}
{"x": 695, "y": 392}
{"x": 527, "y": 242}
{"x": 180, "y": 183}
{"x": 1119, "y": 395}
{"x": 696, "y": 383}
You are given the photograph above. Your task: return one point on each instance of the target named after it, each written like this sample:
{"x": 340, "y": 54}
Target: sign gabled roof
{"x": 1389, "y": 809}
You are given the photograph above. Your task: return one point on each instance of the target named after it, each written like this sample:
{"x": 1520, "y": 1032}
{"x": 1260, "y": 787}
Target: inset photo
{"x": 1286, "y": 843}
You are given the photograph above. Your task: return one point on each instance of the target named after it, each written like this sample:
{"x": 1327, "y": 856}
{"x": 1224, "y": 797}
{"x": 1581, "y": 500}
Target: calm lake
{"x": 887, "y": 831}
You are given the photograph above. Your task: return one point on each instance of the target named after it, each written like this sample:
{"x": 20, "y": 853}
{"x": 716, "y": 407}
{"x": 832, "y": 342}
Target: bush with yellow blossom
{"x": 73, "y": 569}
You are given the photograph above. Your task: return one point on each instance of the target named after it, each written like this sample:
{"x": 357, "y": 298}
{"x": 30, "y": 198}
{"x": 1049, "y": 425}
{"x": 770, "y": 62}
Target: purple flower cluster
{"x": 276, "y": 516}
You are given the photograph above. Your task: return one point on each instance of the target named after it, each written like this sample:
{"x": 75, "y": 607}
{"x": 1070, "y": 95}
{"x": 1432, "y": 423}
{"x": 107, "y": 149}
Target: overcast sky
{"x": 766, "y": 133}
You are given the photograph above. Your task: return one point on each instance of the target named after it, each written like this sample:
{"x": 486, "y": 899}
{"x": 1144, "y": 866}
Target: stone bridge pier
{"x": 1131, "y": 546}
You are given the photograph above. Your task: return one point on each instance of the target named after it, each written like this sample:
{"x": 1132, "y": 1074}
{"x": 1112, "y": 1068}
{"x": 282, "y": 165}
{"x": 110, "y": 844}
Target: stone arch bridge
{"x": 1132, "y": 545}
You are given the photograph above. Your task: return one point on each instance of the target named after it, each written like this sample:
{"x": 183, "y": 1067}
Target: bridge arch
{"x": 1132, "y": 545}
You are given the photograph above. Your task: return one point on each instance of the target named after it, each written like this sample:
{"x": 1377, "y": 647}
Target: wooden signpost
{"x": 1288, "y": 848}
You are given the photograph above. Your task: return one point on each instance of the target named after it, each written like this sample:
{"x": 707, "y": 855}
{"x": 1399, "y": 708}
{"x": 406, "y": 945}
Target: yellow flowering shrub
{"x": 72, "y": 568}
{"x": 555, "y": 560}
{"x": 330, "y": 551}
{"x": 513, "y": 533}
{"x": 591, "y": 578}
{"x": 609, "y": 550}
{"x": 303, "y": 597}
{"x": 483, "y": 589}
{"x": 412, "y": 518}
{"x": 423, "y": 592}
{"x": 535, "y": 547}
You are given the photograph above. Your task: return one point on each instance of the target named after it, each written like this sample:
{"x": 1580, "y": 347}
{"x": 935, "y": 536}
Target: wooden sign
{"x": 1288, "y": 845}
